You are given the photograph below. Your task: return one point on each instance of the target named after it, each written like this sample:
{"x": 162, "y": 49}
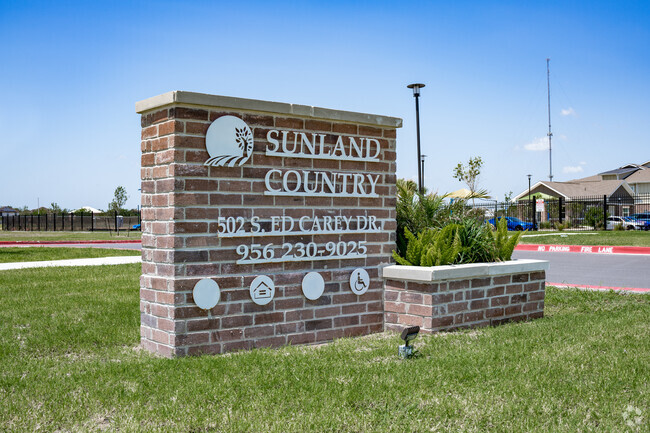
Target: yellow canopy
{"x": 461, "y": 193}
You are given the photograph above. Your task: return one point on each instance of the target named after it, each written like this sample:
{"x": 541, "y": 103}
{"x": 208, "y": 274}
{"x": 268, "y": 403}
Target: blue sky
{"x": 72, "y": 71}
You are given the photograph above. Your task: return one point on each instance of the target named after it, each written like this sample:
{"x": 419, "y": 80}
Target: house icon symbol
{"x": 262, "y": 290}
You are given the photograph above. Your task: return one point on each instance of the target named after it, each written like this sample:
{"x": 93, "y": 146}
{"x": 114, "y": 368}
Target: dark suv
{"x": 642, "y": 217}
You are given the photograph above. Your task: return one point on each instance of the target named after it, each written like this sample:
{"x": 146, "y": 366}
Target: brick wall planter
{"x": 463, "y": 296}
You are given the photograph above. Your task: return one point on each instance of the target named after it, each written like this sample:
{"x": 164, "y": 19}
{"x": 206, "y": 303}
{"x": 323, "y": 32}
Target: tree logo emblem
{"x": 229, "y": 142}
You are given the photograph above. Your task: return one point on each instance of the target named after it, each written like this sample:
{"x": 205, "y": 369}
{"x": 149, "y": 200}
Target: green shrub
{"x": 468, "y": 241}
{"x": 594, "y": 217}
{"x": 503, "y": 243}
{"x": 431, "y": 247}
{"x": 418, "y": 212}
{"x": 477, "y": 242}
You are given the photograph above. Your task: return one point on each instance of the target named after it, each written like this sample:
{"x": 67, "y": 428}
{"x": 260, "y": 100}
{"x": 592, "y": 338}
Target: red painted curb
{"x": 589, "y": 249}
{"x": 588, "y": 287}
{"x": 67, "y": 242}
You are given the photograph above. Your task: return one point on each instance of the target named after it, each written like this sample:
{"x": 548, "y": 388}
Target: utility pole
{"x": 550, "y": 134}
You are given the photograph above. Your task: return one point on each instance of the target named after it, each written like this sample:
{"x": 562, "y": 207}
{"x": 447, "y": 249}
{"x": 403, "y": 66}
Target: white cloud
{"x": 572, "y": 169}
{"x": 583, "y": 163}
{"x": 568, "y": 112}
{"x": 537, "y": 144}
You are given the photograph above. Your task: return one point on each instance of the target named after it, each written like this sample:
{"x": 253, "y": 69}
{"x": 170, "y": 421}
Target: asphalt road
{"x": 615, "y": 270}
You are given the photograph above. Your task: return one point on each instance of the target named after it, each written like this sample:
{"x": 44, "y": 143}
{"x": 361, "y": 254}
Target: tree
{"x": 507, "y": 198}
{"x": 594, "y": 217}
{"x": 119, "y": 199}
{"x": 55, "y": 207}
{"x": 470, "y": 175}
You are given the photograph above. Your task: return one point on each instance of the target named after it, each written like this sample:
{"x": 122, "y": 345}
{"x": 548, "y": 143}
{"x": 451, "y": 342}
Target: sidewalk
{"x": 108, "y": 241}
{"x": 74, "y": 262}
{"x": 599, "y": 288}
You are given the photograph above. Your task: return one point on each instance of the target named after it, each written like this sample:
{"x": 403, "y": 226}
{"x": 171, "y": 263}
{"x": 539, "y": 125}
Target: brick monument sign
{"x": 263, "y": 223}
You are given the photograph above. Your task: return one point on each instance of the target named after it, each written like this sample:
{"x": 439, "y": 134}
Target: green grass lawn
{"x": 70, "y": 362}
{"x": 36, "y": 254}
{"x": 13, "y": 236}
{"x": 609, "y": 238}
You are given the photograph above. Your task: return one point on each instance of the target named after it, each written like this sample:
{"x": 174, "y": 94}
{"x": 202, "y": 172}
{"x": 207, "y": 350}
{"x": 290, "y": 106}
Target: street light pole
{"x": 530, "y": 199}
{"x": 422, "y": 157}
{"x": 416, "y": 94}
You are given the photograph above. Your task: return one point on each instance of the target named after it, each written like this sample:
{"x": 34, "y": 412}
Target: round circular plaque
{"x": 359, "y": 281}
{"x": 206, "y": 294}
{"x": 262, "y": 290}
{"x": 313, "y": 286}
{"x": 229, "y": 142}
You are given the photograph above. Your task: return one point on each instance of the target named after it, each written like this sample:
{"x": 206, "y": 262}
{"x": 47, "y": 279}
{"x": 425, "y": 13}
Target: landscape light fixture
{"x": 406, "y": 350}
{"x": 416, "y": 94}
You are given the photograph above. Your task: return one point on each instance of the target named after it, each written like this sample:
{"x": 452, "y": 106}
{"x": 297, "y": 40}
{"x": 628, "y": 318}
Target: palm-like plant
{"x": 417, "y": 211}
{"x": 422, "y": 214}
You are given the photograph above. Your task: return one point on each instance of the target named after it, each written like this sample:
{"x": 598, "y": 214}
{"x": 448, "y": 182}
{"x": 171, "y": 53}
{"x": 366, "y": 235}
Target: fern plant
{"x": 457, "y": 243}
{"x": 430, "y": 247}
{"x": 445, "y": 248}
{"x": 504, "y": 244}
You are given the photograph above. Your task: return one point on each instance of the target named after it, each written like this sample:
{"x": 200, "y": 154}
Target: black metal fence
{"x": 81, "y": 221}
{"x": 575, "y": 213}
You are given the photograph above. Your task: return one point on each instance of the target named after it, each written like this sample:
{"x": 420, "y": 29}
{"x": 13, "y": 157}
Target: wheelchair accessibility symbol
{"x": 359, "y": 281}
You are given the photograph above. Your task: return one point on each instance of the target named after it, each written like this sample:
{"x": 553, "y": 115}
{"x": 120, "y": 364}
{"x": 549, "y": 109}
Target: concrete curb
{"x": 18, "y": 243}
{"x": 121, "y": 260}
{"x": 588, "y": 249}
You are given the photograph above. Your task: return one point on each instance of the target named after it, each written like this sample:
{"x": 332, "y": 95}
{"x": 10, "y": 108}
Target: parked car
{"x": 515, "y": 223}
{"x": 642, "y": 218}
{"x": 627, "y": 222}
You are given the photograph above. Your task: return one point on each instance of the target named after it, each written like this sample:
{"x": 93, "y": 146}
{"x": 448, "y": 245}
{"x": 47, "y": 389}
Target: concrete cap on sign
{"x": 229, "y": 102}
{"x": 453, "y": 272}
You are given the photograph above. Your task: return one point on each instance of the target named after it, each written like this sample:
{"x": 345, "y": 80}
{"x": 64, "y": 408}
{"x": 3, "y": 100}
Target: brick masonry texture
{"x": 182, "y": 200}
{"x": 458, "y": 304}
